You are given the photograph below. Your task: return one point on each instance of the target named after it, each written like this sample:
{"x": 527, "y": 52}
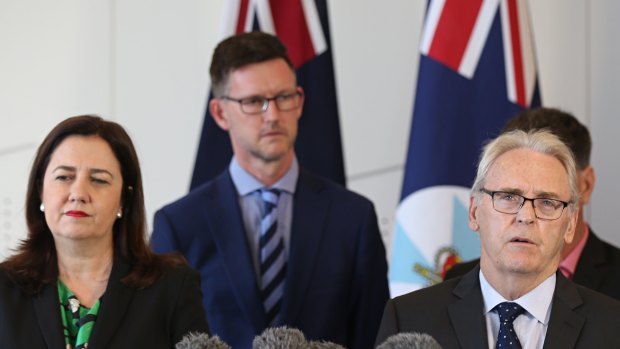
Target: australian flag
{"x": 477, "y": 69}
{"x": 302, "y": 26}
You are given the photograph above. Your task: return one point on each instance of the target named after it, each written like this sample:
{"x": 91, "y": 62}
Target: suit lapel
{"x": 114, "y": 305}
{"x": 226, "y": 226}
{"x": 593, "y": 265}
{"x": 470, "y": 333}
{"x": 47, "y": 310}
{"x": 309, "y": 213}
{"x": 564, "y": 324}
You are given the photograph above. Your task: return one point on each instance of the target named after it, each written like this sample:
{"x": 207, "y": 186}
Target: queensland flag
{"x": 302, "y": 26}
{"x": 477, "y": 69}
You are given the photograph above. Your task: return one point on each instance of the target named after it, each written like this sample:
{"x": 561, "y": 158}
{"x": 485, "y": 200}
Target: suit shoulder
{"x": 612, "y": 250}
{"x": 334, "y": 189}
{"x": 178, "y": 273}
{"x": 174, "y": 280}
{"x": 460, "y": 269}
{"x": 599, "y": 303}
{"x": 197, "y": 194}
{"x": 429, "y": 297}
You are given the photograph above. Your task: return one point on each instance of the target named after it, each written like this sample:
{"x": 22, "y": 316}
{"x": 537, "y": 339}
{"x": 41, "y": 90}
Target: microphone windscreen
{"x": 407, "y": 340}
{"x": 280, "y": 338}
{"x": 198, "y": 340}
{"x": 323, "y": 345}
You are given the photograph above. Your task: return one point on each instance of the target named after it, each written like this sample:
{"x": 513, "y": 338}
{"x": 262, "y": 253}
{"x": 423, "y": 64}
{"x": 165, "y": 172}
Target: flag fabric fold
{"x": 477, "y": 69}
{"x": 303, "y": 27}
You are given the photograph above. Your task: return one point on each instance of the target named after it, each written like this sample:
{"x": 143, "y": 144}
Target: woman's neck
{"x": 86, "y": 275}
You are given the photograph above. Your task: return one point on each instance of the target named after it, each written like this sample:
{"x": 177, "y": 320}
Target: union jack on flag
{"x": 477, "y": 69}
{"x": 302, "y": 26}
{"x": 296, "y": 23}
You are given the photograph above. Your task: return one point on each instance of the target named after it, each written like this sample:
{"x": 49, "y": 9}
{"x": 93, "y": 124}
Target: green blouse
{"x": 77, "y": 320}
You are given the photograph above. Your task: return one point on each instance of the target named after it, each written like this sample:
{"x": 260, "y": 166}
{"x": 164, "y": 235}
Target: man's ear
{"x": 217, "y": 112}
{"x": 570, "y": 228}
{"x": 473, "y": 214}
{"x": 585, "y": 183}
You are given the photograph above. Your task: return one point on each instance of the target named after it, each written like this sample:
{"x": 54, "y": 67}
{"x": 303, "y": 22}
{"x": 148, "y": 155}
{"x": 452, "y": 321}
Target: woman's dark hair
{"x": 35, "y": 262}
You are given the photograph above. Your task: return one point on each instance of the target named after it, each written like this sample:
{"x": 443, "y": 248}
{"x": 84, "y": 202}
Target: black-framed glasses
{"x": 511, "y": 203}
{"x": 259, "y": 104}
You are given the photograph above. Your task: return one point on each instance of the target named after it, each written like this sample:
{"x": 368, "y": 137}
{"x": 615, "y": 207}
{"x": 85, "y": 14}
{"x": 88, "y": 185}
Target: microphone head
{"x": 199, "y": 340}
{"x": 323, "y": 345}
{"x": 407, "y": 340}
{"x": 280, "y": 338}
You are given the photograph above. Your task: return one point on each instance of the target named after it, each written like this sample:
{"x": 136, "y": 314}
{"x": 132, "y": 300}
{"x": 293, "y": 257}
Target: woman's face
{"x": 82, "y": 189}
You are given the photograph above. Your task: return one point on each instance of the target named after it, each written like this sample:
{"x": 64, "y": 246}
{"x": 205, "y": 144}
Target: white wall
{"x": 144, "y": 64}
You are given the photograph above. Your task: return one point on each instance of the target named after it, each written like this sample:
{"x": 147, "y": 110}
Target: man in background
{"x": 275, "y": 245}
{"x": 587, "y": 260}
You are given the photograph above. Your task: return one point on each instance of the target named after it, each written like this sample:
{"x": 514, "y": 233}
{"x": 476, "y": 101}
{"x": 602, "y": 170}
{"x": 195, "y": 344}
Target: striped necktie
{"x": 272, "y": 260}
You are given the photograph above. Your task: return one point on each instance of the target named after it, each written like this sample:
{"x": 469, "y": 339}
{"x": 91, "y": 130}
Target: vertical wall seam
{"x": 112, "y": 58}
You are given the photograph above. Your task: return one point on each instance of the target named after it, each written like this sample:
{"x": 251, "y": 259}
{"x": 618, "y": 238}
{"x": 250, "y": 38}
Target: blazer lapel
{"x": 114, "y": 304}
{"x": 309, "y": 213}
{"x": 226, "y": 227}
{"x": 593, "y": 264}
{"x": 564, "y": 324}
{"x": 47, "y": 310}
{"x": 470, "y": 333}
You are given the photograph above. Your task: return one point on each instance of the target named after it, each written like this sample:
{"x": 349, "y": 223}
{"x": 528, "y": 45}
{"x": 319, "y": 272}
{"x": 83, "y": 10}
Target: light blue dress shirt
{"x": 531, "y": 326}
{"x": 252, "y": 208}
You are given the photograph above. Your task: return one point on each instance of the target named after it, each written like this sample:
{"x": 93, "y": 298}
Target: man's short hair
{"x": 564, "y": 125}
{"x": 240, "y": 50}
{"x": 540, "y": 141}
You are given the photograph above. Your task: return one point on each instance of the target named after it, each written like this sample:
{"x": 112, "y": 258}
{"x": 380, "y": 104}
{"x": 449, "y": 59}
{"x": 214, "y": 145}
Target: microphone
{"x": 200, "y": 340}
{"x": 410, "y": 340}
{"x": 280, "y": 338}
{"x": 323, "y": 345}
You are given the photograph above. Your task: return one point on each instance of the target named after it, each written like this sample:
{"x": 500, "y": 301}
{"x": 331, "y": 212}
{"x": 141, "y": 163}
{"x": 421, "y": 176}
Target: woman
{"x": 85, "y": 276}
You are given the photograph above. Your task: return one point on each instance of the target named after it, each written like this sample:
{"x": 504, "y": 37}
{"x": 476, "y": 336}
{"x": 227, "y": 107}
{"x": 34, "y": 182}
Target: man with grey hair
{"x": 588, "y": 260}
{"x": 524, "y": 206}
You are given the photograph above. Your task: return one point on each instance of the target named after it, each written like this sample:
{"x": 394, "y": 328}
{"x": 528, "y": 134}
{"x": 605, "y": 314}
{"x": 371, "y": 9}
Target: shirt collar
{"x": 537, "y": 302}
{"x": 245, "y": 183}
{"x": 569, "y": 263}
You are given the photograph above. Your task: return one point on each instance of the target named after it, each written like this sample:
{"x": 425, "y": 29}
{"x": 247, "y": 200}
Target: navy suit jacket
{"x": 598, "y": 267}
{"x": 336, "y": 282}
{"x": 452, "y": 312}
{"x": 157, "y": 316}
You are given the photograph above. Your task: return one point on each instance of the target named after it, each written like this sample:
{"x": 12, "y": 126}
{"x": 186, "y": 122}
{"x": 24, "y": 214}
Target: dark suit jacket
{"x": 336, "y": 282}
{"x": 598, "y": 267}
{"x": 154, "y": 317}
{"x": 451, "y": 312}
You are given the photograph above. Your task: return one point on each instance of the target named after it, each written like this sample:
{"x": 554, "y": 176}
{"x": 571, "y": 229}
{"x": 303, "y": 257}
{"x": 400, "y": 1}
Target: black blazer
{"x": 155, "y": 317}
{"x": 451, "y": 312}
{"x": 598, "y": 267}
{"x": 336, "y": 283}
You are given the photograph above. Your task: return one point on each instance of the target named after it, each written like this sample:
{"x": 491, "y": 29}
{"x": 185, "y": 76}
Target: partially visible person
{"x": 84, "y": 277}
{"x": 524, "y": 205}
{"x": 587, "y": 260}
{"x": 275, "y": 244}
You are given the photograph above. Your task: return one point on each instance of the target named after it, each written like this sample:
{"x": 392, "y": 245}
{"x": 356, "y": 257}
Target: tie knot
{"x": 508, "y": 311}
{"x": 270, "y": 197}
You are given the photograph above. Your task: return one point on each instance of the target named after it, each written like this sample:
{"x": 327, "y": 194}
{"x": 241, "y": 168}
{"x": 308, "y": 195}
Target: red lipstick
{"x": 76, "y": 213}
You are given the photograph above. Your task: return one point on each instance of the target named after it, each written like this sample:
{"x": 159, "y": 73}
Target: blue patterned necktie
{"x": 272, "y": 260}
{"x": 507, "y": 337}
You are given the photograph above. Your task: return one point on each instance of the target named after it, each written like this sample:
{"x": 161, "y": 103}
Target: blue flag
{"x": 302, "y": 25}
{"x": 477, "y": 69}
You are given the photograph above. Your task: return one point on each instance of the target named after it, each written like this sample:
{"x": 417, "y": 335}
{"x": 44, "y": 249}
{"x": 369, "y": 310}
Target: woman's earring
{"x": 42, "y": 208}
{"x": 119, "y": 214}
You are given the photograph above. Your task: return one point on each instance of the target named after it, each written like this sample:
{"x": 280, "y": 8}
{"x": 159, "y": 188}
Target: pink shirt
{"x": 569, "y": 264}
